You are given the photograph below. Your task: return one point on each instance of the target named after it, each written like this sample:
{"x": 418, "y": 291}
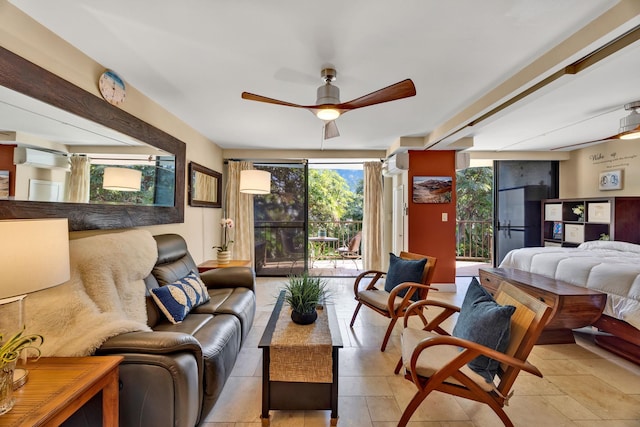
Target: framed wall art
{"x": 205, "y": 187}
{"x": 432, "y": 189}
{"x": 610, "y": 180}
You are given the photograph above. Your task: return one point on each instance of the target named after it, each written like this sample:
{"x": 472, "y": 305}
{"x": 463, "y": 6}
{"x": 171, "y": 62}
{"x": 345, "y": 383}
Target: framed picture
{"x": 205, "y": 187}
{"x": 432, "y": 189}
{"x": 611, "y": 180}
{"x": 4, "y": 184}
{"x": 557, "y": 230}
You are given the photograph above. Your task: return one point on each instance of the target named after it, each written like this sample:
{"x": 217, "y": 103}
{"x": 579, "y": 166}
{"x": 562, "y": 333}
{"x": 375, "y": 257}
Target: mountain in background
{"x": 352, "y": 176}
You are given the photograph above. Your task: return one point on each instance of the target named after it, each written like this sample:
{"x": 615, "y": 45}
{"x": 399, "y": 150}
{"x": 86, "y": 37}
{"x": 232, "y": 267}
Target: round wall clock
{"x": 112, "y": 87}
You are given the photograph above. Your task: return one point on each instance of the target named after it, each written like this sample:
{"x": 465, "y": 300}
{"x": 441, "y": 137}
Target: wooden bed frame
{"x": 624, "y": 340}
{"x": 573, "y": 307}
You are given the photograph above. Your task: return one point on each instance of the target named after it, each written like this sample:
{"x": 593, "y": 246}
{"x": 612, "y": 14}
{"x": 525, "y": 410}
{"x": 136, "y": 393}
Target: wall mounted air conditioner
{"x": 396, "y": 164}
{"x": 39, "y": 159}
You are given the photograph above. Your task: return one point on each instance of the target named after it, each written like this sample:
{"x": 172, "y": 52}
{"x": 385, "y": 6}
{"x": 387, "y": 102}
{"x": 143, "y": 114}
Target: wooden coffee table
{"x": 287, "y": 395}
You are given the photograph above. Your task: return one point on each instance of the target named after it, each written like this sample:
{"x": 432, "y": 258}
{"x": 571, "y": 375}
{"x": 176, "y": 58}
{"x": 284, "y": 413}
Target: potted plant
{"x": 224, "y": 250}
{"x": 10, "y": 350}
{"x": 303, "y": 293}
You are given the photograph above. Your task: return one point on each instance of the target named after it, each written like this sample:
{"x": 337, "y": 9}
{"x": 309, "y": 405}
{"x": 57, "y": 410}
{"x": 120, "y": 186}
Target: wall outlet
{"x": 445, "y": 217}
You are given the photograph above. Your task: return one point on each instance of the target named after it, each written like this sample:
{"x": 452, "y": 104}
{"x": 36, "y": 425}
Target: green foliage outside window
{"x": 474, "y": 211}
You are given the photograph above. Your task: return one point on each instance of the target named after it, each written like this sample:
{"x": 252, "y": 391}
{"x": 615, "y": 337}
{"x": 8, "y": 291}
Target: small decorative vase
{"x": 304, "y": 318}
{"x": 224, "y": 257}
{"x": 6, "y": 387}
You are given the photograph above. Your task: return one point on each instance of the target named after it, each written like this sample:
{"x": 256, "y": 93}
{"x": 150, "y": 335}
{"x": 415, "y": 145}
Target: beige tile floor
{"x": 583, "y": 385}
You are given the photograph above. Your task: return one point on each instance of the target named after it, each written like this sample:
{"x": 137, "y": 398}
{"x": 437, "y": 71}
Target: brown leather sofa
{"x": 174, "y": 375}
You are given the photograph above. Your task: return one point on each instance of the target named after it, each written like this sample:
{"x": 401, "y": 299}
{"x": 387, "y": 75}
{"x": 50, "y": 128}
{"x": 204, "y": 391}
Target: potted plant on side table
{"x": 303, "y": 294}
{"x": 10, "y": 350}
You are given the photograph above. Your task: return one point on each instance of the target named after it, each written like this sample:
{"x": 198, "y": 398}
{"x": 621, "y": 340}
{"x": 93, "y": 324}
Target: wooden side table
{"x": 213, "y": 264}
{"x": 58, "y": 386}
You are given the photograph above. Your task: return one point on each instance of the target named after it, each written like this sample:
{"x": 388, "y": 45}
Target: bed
{"x": 608, "y": 266}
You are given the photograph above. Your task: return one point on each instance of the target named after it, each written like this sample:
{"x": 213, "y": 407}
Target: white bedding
{"x": 610, "y": 267}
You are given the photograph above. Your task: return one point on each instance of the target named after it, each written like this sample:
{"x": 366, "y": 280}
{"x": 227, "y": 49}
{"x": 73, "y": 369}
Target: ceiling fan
{"x": 328, "y": 106}
{"x": 629, "y": 127}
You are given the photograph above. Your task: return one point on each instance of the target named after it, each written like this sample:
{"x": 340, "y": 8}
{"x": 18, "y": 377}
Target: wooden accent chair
{"x": 352, "y": 250}
{"x": 434, "y": 360}
{"x": 389, "y": 304}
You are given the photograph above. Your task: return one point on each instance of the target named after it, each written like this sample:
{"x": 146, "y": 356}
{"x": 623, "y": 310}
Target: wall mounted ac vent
{"x": 396, "y": 164}
{"x": 39, "y": 159}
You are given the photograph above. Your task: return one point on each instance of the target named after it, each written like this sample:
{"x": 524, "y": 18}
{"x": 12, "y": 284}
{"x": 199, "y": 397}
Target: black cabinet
{"x": 518, "y": 218}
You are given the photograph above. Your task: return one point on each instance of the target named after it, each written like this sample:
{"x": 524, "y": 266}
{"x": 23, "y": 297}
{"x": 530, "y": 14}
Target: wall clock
{"x": 112, "y": 87}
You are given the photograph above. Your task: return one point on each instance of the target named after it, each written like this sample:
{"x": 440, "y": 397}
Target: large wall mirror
{"x": 49, "y": 124}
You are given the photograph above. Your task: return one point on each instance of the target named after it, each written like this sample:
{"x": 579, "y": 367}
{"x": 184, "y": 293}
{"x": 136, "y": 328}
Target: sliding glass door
{"x": 281, "y": 221}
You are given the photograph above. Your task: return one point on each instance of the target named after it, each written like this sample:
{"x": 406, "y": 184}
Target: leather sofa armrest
{"x": 230, "y": 277}
{"x": 157, "y": 342}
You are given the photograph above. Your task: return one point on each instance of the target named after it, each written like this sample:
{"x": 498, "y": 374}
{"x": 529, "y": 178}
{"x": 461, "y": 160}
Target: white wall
{"x": 21, "y": 35}
{"x": 579, "y": 176}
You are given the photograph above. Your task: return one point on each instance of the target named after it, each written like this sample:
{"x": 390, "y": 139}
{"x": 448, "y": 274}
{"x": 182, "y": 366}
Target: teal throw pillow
{"x": 404, "y": 270}
{"x": 177, "y": 299}
{"x": 484, "y": 321}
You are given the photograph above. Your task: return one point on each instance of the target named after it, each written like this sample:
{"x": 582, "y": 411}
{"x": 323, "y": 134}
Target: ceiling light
{"x": 630, "y": 125}
{"x": 328, "y": 114}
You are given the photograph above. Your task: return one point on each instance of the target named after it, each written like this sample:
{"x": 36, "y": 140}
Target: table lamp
{"x": 35, "y": 256}
{"x": 121, "y": 179}
{"x": 254, "y": 181}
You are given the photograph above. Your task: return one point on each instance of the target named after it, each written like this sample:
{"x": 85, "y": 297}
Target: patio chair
{"x": 352, "y": 250}
{"x": 434, "y": 360}
{"x": 291, "y": 251}
{"x": 407, "y": 280}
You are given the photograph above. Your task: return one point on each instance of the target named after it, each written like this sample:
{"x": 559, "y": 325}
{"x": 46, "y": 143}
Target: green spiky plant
{"x": 303, "y": 293}
{"x": 10, "y": 348}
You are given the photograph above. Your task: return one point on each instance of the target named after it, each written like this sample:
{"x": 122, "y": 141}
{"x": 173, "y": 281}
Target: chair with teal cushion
{"x": 407, "y": 278}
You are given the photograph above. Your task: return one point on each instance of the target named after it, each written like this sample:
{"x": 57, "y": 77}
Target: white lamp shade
{"x": 34, "y": 256}
{"x": 121, "y": 179}
{"x": 255, "y": 181}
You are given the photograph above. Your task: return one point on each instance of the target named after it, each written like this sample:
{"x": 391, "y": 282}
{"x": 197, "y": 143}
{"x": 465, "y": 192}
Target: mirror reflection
{"x": 205, "y": 186}
{"x": 60, "y": 157}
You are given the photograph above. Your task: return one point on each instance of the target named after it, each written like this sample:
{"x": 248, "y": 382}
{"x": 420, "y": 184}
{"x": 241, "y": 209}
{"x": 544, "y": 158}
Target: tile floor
{"x": 583, "y": 385}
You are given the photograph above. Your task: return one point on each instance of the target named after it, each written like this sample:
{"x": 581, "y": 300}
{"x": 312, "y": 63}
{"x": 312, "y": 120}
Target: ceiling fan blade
{"x": 400, "y": 90}
{"x": 331, "y": 130}
{"x": 260, "y": 98}
{"x": 609, "y": 138}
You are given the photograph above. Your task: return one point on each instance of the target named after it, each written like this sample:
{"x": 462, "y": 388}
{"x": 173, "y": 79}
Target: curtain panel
{"x": 372, "y": 222}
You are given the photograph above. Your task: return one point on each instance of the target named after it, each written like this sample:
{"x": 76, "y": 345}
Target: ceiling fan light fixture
{"x": 328, "y": 114}
{"x": 630, "y": 125}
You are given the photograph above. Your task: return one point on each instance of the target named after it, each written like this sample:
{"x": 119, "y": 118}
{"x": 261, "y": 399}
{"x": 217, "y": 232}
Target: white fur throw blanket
{"x": 104, "y": 297}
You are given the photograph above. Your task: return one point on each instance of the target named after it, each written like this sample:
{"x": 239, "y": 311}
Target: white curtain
{"x": 372, "y": 223}
{"x": 239, "y": 207}
{"x": 79, "y": 179}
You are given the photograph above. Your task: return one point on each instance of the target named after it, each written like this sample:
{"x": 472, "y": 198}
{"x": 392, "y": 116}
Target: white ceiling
{"x": 195, "y": 58}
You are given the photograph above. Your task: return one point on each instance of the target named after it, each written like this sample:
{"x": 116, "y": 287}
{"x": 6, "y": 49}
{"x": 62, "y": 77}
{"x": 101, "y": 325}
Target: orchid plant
{"x": 227, "y": 225}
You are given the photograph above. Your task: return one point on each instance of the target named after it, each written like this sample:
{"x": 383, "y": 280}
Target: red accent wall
{"x": 428, "y": 234}
{"x": 6, "y": 164}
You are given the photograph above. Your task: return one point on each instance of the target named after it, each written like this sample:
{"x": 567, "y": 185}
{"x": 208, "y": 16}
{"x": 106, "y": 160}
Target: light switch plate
{"x": 445, "y": 217}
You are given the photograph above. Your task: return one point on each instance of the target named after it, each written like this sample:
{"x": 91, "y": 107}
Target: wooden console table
{"x": 58, "y": 386}
{"x": 293, "y": 395}
{"x": 213, "y": 264}
{"x": 572, "y": 306}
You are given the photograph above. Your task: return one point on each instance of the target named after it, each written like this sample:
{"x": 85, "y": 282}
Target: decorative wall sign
{"x": 611, "y": 180}
{"x": 432, "y": 189}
